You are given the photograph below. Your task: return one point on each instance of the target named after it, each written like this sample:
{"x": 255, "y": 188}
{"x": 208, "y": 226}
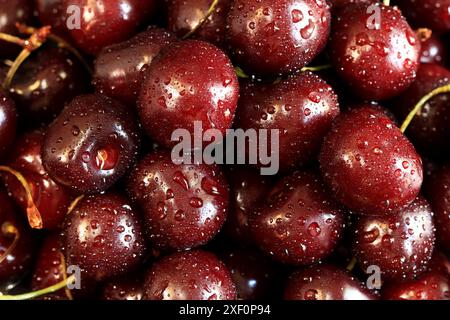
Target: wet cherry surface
{"x": 91, "y": 144}
{"x": 8, "y": 122}
{"x": 190, "y": 275}
{"x": 52, "y": 13}
{"x": 427, "y": 13}
{"x": 125, "y": 288}
{"x": 299, "y": 223}
{"x": 433, "y": 51}
{"x": 184, "y": 206}
{"x": 369, "y": 164}
{"x": 103, "y": 236}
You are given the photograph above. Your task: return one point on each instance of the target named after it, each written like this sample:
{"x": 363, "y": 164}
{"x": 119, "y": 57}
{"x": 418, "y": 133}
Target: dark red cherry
{"x": 338, "y": 4}
{"x": 401, "y": 244}
{"x": 50, "y": 268}
{"x": 189, "y": 275}
{"x": 8, "y": 123}
{"x": 184, "y": 205}
{"x": 302, "y": 108}
{"x": 185, "y": 16}
{"x": 189, "y": 81}
{"x": 104, "y": 22}
{"x": 430, "y": 128}
{"x": 325, "y": 282}
{"x": 433, "y": 14}
{"x": 378, "y": 61}
{"x": 15, "y": 261}
{"x": 369, "y": 164}
{"x": 254, "y": 274}
{"x": 298, "y": 224}
{"x": 51, "y": 199}
{"x": 432, "y": 285}
{"x": 438, "y": 193}
{"x": 45, "y": 82}
{"x": 103, "y": 236}
{"x": 12, "y": 12}
{"x": 433, "y": 51}
{"x": 91, "y": 144}
{"x": 248, "y": 189}
{"x": 52, "y": 13}
{"x": 124, "y": 288}
{"x": 268, "y": 37}
{"x": 119, "y": 67}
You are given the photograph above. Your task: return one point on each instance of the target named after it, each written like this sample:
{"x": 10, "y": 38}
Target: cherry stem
{"x": 74, "y": 204}
{"x": 36, "y": 39}
{"x": 41, "y": 292}
{"x": 64, "y": 272}
{"x": 33, "y": 214}
{"x": 418, "y": 107}
{"x": 352, "y": 264}
{"x": 387, "y": 2}
{"x": 201, "y": 22}
{"x": 240, "y": 73}
{"x": 12, "y": 39}
{"x": 9, "y": 229}
{"x": 60, "y": 42}
{"x": 424, "y": 34}
{"x": 317, "y": 68}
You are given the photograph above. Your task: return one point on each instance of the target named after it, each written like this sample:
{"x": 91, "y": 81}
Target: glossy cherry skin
{"x": 52, "y": 13}
{"x": 375, "y": 63}
{"x": 184, "y": 16}
{"x": 125, "y": 288}
{"x": 433, "y": 51}
{"x": 103, "y": 236}
{"x": 12, "y": 12}
{"x": 51, "y": 199}
{"x": 302, "y": 108}
{"x": 433, "y": 14}
{"x": 104, "y": 22}
{"x": 369, "y": 164}
{"x": 298, "y": 224}
{"x": 91, "y": 144}
{"x": 247, "y": 189}
{"x": 19, "y": 260}
{"x": 326, "y": 282}
{"x": 254, "y": 274}
{"x": 268, "y": 37}
{"x": 45, "y": 82}
{"x": 429, "y": 130}
{"x": 119, "y": 67}
{"x": 438, "y": 193}
{"x": 184, "y": 206}
{"x": 338, "y": 4}
{"x": 189, "y": 275}
{"x": 8, "y": 122}
{"x": 175, "y": 93}
{"x": 401, "y": 244}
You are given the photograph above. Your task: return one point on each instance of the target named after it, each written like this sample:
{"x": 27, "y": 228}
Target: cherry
{"x": 51, "y": 12}
{"x": 12, "y": 12}
{"x": 104, "y": 22}
{"x": 184, "y": 205}
{"x": 91, "y": 144}
{"x": 45, "y": 83}
{"x": 438, "y": 192}
{"x": 118, "y": 68}
{"x": 377, "y": 61}
{"x": 254, "y": 275}
{"x": 326, "y": 282}
{"x": 433, "y": 51}
{"x": 428, "y": 13}
{"x": 8, "y": 122}
{"x": 124, "y": 288}
{"x": 189, "y": 275}
{"x": 16, "y": 245}
{"x": 298, "y": 224}
{"x": 430, "y": 128}
{"x": 187, "y": 17}
{"x": 303, "y": 107}
{"x": 268, "y": 37}
{"x": 51, "y": 200}
{"x": 102, "y": 235}
{"x": 369, "y": 164}
{"x": 248, "y": 188}
{"x": 175, "y": 93}
{"x": 338, "y": 4}
{"x": 401, "y": 244}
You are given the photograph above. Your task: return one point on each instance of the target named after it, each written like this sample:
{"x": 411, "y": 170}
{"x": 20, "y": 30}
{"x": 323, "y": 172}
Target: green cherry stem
{"x": 210, "y": 11}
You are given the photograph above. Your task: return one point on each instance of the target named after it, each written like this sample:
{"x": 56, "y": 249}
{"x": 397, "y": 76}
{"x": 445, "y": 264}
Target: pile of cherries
{"x": 358, "y": 89}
